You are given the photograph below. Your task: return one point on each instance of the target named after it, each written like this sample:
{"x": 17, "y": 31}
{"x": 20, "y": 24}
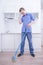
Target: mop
{"x": 15, "y": 53}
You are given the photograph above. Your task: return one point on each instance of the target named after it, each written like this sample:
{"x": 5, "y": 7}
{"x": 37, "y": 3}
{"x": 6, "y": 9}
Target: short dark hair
{"x": 21, "y": 9}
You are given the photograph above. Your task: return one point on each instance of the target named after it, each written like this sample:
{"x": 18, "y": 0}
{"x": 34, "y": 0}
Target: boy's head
{"x": 22, "y": 10}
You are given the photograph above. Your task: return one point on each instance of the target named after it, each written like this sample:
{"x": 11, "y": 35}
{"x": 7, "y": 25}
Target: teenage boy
{"x": 27, "y": 20}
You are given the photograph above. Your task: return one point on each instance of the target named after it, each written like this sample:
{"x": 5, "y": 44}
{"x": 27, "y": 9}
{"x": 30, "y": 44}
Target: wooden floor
{"x": 26, "y": 59}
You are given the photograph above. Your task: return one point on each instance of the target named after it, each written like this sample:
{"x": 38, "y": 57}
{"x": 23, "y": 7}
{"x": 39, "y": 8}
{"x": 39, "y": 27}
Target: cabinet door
{"x": 37, "y": 42}
{"x": 42, "y": 27}
{"x": 0, "y": 42}
{"x": 8, "y": 42}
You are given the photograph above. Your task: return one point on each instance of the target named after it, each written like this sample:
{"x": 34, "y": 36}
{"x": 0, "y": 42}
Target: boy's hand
{"x": 20, "y": 22}
{"x": 29, "y": 25}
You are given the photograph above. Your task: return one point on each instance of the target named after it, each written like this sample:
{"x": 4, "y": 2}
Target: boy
{"x": 27, "y": 20}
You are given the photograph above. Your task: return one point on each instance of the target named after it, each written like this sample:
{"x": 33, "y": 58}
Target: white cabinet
{"x": 10, "y": 42}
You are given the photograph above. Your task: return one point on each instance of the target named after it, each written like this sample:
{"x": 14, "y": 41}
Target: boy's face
{"x": 22, "y": 12}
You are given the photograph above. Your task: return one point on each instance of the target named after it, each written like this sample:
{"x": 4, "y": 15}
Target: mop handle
{"x": 19, "y": 46}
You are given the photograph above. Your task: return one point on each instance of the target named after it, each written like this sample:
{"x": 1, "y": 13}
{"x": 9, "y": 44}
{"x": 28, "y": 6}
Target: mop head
{"x": 14, "y": 58}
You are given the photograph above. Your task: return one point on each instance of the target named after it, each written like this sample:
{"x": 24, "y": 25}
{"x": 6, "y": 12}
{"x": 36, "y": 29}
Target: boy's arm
{"x": 33, "y": 20}
{"x": 21, "y": 21}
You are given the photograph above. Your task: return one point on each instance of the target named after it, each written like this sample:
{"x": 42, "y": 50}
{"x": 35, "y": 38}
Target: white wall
{"x": 9, "y": 41}
{"x": 14, "y": 5}
{"x": 7, "y": 6}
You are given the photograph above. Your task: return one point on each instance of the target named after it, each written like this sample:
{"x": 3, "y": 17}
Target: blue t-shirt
{"x": 26, "y": 19}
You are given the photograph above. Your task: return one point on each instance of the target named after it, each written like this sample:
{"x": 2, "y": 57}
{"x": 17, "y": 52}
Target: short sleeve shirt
{"x": 26, "y": 19}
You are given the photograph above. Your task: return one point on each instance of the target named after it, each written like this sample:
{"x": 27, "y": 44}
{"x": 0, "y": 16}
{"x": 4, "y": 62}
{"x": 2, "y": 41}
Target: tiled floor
{"x": 26, "y": 59}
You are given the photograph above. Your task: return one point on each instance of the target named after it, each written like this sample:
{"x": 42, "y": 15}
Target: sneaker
{"x": 33, "y": 55}
{"x": 20, "y": 55}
